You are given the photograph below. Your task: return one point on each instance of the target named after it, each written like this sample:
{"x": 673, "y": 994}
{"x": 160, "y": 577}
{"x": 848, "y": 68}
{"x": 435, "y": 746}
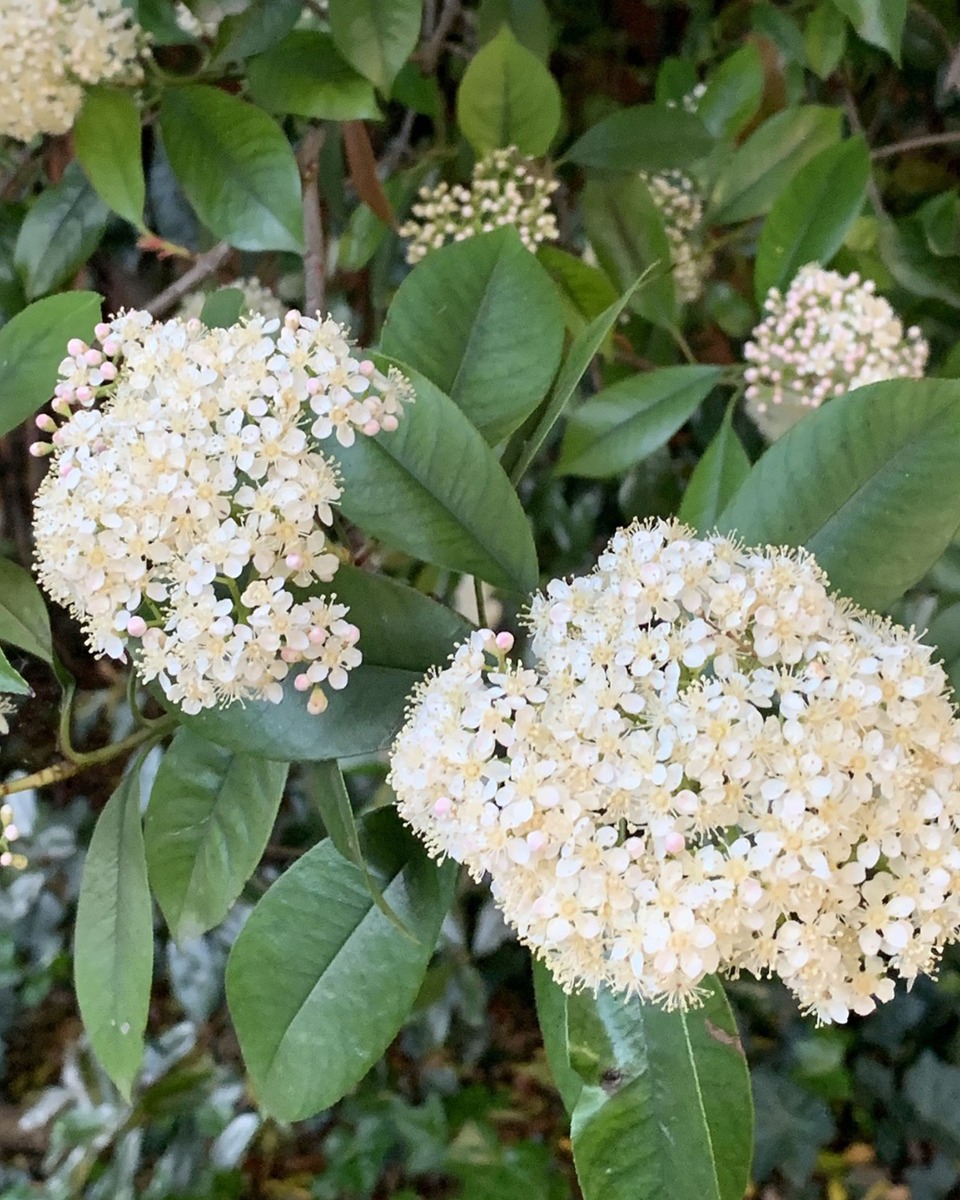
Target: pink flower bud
{"x": 136, "y": 627}
{"x": 504, "y": 641}
{"x": 102, "y": 330}
{"x": 674, "y": 842}
{"x": 84, "y": 394}
{"x": 389, "y": 423}
{"x": 108, "y": 370}
{"x": 289, "y": 655}
{"x": 317, "y": 702}
{"x": 93, "y": 358}
{"x": 313, "y": 385}
{"x": 75, "y": 347}
{"x": 111, "y": 347}
{"x": 443, "y": 807}
{"x": 317, "y": 636}
{"x": 301, "y": 683}
{"x": 351, "y": 635}
{"x": 294, "y": 562}
{"x": 45, "y": 422}
{"x": 366, "y": 367}
{"x": 371, "y": 428}
{"x": 40, "y": 449}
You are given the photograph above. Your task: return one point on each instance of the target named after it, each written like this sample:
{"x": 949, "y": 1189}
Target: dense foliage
{"x": 576, "y": 264}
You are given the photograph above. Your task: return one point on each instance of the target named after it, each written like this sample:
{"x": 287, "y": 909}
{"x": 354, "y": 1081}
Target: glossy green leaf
{"x": 107, "y": 140}
{"x": 32, "y": 346}
{"x": 647, "y": 137}
{"x": 507, "y": 97}
{"x": 625, "y": 422}
{"x": 733, "y": 94}
{"x": 24, "y": 621}
{"x": 529, "y": 22}
{"x": 584, "y": 290}
{"x": 402, "y": 634}
{"x": 113, "y": 950}
{"x": 552, "y": 1019}
{"x": 626, "y": 231}
{"x": 12, "y": 298}
{"x": 756, "y": 172}
{"x": 940, "y": 219}
{"x": 11, "y": 681}
{"x": 306, "y": 75}
{"x": 235, "y": 166}
{"x": 59, "y": 233}
{"x": 497, "y": 347}
{"x": 158, "y": 19}
{"x": 435, "y": 490}
{"x": 907, "y": 256}
{"x": 825, "y": 38}
{"x": 867, "y": 483}
{"x": 811, "y": 216}
{"x": 376, "y": 36}
{"x": 716, "y": 478}
{"x": 222, "y": 308}
{"x": 665, "y": 1111}
{"x": 319, "y": 980}
{"x": 258, "y": 28}
{"x": 210, "y": 816}
{"x": 879, "y": 22}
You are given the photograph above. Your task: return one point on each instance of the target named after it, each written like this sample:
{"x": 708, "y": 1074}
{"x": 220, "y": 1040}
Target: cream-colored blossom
{"x": 50, "y": 49}
{"x": 681, "y": 207}
{"x": 826, "y": 335}
{"x": 258, "y": 300}
{"x": 184, "y": 513}
{"x": 9, "y": 832}
{"x": 506, "y": 189}
{"x": 710, "y": 764}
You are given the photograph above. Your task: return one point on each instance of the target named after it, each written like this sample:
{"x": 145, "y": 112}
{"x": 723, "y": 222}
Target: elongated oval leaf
{"x": 24, "y": 621}
{"x": 235, "y": 166}
{"x": 434, "y": 489}
{"x": 376, "y": 36}
{"x": 402, "y": 634}
{"x": 734, "y": 93}
{"x": 647, "y": 137}
{"x": 584, "y": 290}
{"x": 716, "y": 478}
{"x": 11, "y": 681}
{"x": 496, "y": 350}
{"x": 59, "y": 233}
{"x": 304, "y": 74}
{"x": 868, "y": 483}
{"x": 552, "y": 1018}
{"x": 528, "y": 19}
{"x": 811, "y": 216}
{"x": 879, "y": 22}
{"x": 320, "y": 980}
{"x": 625, "y": 422}
{"x": 751, "y": 178}
{"x": 107, "y": 140}
{"x": 113, "y": 952}
{"x": 507, "y": 97}
{"x": 665, "y": 1111}
{"x": 210, "y": 815}
{"x": 32, "y": 346}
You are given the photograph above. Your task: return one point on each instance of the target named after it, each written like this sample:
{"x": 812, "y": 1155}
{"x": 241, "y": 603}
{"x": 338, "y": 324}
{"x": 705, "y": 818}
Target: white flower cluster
{"x": 7, "y": 709}
{"x": 258, "y": 300}
{"x": 185, "y": 508}
{"x": 712, "y": 764}
{"x": 826, "y": 335}
{"x": 8, "y": 830}
{"x": 506, "y": 189}
{"x": 681, "y": 207}
{"x": 49, "y": 49}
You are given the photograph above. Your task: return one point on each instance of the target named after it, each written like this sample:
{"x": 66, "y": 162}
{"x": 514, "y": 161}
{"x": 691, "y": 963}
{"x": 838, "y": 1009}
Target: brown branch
{"x": 853, "y": 116}
{"x": 429, "y": 53}
{"x": 314, "y": 264}
{"x": 917, "y": 143}
{"x": 202, "y": 269}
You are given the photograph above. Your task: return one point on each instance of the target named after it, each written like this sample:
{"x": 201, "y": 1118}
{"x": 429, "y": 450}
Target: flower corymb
{"x": 183, "y": 513}
{"x": 826, "y": 335}
{"x": 710, "y": 764}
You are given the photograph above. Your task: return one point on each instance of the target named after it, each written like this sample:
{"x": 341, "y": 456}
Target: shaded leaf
{"x": 107, "y": 141}
{"x": 716, "y": 478}
{"x": 376, "y": 36}
{"x": 11, "y": 681}
{"x": 529, "y": 22}
{"x": 258, "y": 28}
{"x": 733, "y": 94}
{"x": 24, "y": 621}
{"x": 879, "y": 22}
{"x": 222, "y": 308}
{"x": 552, "y": 1018}
{"x": 647, "y": 137}
{"x": 584, "y": 290}
{"x": 59, "y": 233}
{"x": 825, "y": 38}
{"x": 305, "y": 74}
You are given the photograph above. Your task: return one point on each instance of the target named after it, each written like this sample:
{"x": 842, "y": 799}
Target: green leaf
{"x": 647, "y": 137}
{"x": 529, "y": 22}
{"x": 625, "y": 422}
{"x": 584, "y": 290}
{"x": 627, "y": 233}
{"x": 210, "y": 816}
{"x": 11, "y": 681}
{"x": 907, "y": 256}
{"x": 32, "y": 346}
{"x": 867, "y": 483}
{"x": 259, "y": 27}
{"x": 496, "y": 350}
{"x": 402, "y": 635}
{"x": 235, "y": 166}
{"x": 811, "y": 216}
{"x": 716, "y": 478}
{"x": 879, "y": 22}
{"x": 435, "y": 490}
{"x": 222, "y": 308}
{"x": 940, "y": 219}
{"x": 755, "y": 173}
{"x": 306, "y": 75}
{"x": 665, "y": 1111}
{"x": 107, "y": 141}
{"x": 113, "y": 950}
{"x": 507, "y": 97}
{"x": 825, "y": 39}
{"x": 319, "y": 980}
{"x": 733, "y": 94}
{"x": 376, "y": 36}
{"x": 59, "y": 233}
{"x": 157, "y": 18}
{"x": 552, "y": 1018}
{"x": 24, "y": 621}
{"x": 11, "y": 289}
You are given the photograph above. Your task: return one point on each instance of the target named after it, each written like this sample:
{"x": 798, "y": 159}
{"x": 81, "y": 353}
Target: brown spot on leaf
{"x": 724, "y": 1038}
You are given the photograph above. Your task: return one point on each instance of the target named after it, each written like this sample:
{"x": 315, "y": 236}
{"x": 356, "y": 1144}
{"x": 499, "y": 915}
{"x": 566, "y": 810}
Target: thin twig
{"x": 204, "y": 267}
{"x": 314, "y": 265}
{"x": 399, "y": 145}
{"x": 917, "y": 143}
{"x": 873, "y": 192}
{"x": 429, "y": 53}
